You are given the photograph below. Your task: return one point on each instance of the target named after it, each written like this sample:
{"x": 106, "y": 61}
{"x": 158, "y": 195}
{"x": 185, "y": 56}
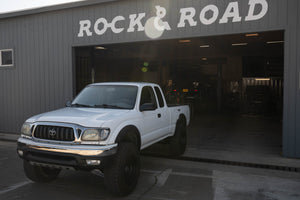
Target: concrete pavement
{"x": 237, "y": 138}
{"x": 160, "y": 179}
{"x": 216, "y": 150}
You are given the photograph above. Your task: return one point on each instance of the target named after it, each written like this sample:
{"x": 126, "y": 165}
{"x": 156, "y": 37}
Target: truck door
{"x": 151, "y": 124}
{"x": 164, "y": 113}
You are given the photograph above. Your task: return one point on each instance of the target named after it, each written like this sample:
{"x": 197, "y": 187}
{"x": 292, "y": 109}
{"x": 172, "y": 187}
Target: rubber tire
{"x": 38, "y": 173}
{"x": 115, "y": 177}
{"x": 178, "y": 141}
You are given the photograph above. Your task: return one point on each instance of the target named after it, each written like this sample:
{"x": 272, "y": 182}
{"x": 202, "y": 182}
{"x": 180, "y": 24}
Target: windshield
{"x": 107, "y": 96}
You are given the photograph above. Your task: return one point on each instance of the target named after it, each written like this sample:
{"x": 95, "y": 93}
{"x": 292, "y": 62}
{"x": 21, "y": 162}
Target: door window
{"x": 159, "y": 96}
{"x": 148, "y": 96}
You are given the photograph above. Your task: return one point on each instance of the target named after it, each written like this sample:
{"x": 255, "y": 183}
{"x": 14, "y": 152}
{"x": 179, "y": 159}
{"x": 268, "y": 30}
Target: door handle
{"x": 159, "y": 115}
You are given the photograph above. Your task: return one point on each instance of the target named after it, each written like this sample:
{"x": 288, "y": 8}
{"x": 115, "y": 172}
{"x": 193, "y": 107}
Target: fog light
{"x": 93, "y": 162}
{"x": 20, "y": 152}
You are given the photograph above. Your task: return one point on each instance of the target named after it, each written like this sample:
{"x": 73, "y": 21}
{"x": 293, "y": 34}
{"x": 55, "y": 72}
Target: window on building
{"x": 6, "y": 58}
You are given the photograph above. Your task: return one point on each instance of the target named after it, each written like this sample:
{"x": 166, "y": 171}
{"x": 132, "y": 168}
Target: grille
{"x": 54, "y": 133}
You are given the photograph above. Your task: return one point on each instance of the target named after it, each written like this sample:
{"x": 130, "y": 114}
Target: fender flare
{"x": 129, "y": 134}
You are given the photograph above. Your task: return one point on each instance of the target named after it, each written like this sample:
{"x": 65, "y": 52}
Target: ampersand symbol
{"x": 158, "y": 23}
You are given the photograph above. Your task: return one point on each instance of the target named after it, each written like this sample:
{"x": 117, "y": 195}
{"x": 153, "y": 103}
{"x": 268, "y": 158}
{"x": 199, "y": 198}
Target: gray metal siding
{"x": 297, "y": 85}
{"x": 42, "y": 78}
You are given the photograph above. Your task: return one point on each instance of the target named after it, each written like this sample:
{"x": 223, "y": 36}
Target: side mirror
{"x": 69, "y": 103}
{"x": 147, "y": 107}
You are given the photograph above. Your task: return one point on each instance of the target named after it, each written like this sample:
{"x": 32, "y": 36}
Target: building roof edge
{"x": 52, "y": 8}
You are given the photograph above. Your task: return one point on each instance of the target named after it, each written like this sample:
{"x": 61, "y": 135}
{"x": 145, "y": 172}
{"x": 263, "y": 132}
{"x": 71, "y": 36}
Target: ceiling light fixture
{"x": 275, "y": 42}
{"x": 239, "y": 44}
{"x": 184, "y": 41}
{"x": 262, "y": 79}
{"x": 204, "y": 46}
{"x": 102, "y": 48}
{"x": 251, "y": 34}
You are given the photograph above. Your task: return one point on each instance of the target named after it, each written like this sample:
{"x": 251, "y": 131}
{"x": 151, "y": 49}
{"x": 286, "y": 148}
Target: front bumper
{"x": 71, "y": 155}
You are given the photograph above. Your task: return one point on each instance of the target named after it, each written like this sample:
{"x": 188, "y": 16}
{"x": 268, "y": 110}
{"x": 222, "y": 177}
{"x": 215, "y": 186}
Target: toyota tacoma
{"x": 103, "y": 128}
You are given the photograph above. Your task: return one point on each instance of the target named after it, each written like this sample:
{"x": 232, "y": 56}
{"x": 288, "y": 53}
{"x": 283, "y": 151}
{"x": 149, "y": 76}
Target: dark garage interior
{"x": 233, "y": 84}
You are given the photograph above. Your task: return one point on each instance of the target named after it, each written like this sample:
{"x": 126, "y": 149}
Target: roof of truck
{"x": 125, "y": 83}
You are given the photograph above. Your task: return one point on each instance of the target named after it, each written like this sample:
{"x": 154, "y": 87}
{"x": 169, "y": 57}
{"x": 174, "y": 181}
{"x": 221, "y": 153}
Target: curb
{"x": 10, "y": 137}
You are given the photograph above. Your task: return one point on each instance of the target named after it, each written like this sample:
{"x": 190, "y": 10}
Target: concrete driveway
{"x": 160, "y": 179}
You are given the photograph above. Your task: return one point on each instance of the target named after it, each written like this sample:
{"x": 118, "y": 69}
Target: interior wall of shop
{"x": 42, "y": 76}
{"x": 183, "y": 64}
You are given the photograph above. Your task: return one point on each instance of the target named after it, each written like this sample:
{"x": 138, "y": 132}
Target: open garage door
{"x": 233, "y": 84}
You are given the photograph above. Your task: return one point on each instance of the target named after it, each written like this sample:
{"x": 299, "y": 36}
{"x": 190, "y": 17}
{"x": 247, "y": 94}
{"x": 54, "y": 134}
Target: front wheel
{"x": 122, "y": 174}
{"x": 39, "y": 173}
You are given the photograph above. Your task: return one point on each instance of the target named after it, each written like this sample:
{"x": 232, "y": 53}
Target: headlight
{"x": 95, "y": 134}
{"x": 26, "y": 129}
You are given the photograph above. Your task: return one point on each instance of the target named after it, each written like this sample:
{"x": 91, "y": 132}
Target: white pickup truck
{"x": 104, "y": 128}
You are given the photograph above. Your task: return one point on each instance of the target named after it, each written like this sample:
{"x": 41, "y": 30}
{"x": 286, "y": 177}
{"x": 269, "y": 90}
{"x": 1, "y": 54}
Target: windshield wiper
{"x": 80, "y": 105}
{"x": 109, "y": 106}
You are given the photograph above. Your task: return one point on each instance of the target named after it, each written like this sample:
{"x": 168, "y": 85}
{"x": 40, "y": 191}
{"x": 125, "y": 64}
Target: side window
{"x": 147, "y": 96}
{"x": 159, "y": 96}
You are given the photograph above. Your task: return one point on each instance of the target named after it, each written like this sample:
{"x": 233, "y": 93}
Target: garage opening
{"x": 233, "y": 84}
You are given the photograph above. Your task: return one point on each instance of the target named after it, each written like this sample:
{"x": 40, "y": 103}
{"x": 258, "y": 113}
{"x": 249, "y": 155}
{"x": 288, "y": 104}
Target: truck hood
{"x": 87, "y": 117}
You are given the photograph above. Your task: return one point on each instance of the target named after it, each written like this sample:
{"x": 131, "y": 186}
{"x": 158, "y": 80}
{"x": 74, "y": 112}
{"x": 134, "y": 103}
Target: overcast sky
{"x": 16, "y": 5}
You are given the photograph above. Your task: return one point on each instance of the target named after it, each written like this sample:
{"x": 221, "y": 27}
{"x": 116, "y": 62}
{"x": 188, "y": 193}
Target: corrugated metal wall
{"x": 42, "y": 78}
{"x": 268, "y": 95}
{"x": 275, "y": 85}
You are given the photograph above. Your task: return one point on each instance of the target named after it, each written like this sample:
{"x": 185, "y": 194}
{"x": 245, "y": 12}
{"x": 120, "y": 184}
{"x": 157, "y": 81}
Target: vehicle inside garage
{"x": 233, "y": 84}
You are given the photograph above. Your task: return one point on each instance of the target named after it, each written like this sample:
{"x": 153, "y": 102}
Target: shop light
{"x": 184, "y": 41}
{"x": 144, "y": 69}
{"x": 251, "y": 34}
{"x": 204, "y": 58}
{"x": 275, "y": 42}
{"x": 204, "y": 46}
{"x": 146, "y": 64}
{"x": 239, "y": 44}
{"x": 101, "y": 48}
{"x": 262, "y": 79}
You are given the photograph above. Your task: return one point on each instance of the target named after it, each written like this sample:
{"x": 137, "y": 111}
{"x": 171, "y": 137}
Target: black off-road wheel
{"x": 38, "y": 173}
{"x": 122, "y": 174}
{"x": 178, "y": 141}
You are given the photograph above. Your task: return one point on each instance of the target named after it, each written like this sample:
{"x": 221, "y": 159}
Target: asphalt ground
{"x": 161, "y": 179}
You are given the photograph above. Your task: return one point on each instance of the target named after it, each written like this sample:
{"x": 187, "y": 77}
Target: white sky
{"x": 17, "y": 5}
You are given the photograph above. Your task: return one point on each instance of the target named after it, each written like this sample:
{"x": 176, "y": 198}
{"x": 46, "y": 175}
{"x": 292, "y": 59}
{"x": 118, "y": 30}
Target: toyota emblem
{"x": 52, "y": 132}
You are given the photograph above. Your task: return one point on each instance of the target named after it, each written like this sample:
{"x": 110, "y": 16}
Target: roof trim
{"x": 53, "y": 8}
